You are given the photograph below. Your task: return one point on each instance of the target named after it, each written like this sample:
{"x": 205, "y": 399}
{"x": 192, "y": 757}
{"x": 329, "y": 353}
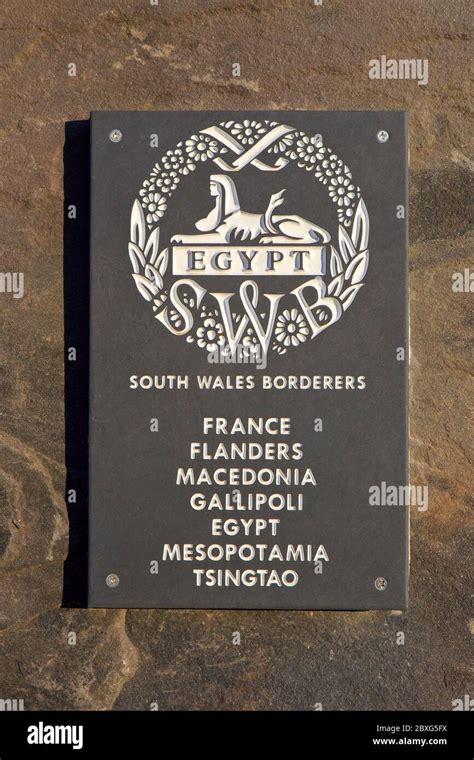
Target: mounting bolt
{"x": 112, "y": 580}
{"x": 383, "y": 136}
{"x": 381, "y": 584}
{"x": 115, "y": 136}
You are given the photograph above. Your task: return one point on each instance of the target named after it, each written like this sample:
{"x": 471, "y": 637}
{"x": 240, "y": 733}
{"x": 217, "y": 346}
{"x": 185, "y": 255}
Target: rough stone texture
{"x": 178, "y": 55}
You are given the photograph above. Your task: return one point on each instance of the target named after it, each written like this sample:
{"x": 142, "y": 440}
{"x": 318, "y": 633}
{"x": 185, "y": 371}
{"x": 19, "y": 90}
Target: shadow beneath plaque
{"x": 76, "y": 371}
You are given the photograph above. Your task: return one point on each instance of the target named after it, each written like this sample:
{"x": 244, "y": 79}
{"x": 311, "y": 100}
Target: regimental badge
{"x": 287, "y": 277}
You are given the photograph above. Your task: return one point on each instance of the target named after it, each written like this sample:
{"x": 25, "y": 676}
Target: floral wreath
{"x": 348, "y": 265}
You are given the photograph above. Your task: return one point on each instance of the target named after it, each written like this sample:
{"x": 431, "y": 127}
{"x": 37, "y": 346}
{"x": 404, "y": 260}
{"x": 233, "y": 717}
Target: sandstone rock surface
{"x": 179, "y": 55}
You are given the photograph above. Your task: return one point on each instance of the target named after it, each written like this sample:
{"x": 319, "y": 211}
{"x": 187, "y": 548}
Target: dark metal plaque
{"x": 248, "y": 360}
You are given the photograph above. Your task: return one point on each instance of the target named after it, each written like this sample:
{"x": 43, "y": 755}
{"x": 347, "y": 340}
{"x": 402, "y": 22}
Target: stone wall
{"x": 178, "y": 54}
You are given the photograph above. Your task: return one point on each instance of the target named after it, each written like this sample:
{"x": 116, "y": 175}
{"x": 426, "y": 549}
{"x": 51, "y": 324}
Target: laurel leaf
{"x": 151, "y": 250}
{"x": 146, "y": 288}
{"x": 345, "y": 245}
{"x": 137, "y": 225}
{"x": 162, "y": 262}
{"x": 335, "y": 262}
{"x": 335, "y": 286}
{"x": 152, "y": 274}
{"x": 136, "y": 257}
{"x": 349, "y": 294}
{"x": 357, "y": 269}
{"x": 360, "y": 229}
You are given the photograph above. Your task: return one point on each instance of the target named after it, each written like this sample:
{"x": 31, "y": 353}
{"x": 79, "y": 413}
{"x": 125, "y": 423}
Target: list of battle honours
{"x": 257, "y": 514}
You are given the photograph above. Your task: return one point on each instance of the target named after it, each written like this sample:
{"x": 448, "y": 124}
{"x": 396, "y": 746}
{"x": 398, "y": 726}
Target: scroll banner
{"x": 288, "y": 260}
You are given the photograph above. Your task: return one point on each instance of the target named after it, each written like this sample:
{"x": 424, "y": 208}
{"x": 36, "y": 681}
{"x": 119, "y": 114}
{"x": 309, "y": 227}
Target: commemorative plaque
{"x": 248, "y": 360}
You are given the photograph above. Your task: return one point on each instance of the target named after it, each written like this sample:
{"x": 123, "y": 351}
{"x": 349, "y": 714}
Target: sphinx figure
{"x": 226, "y": 222}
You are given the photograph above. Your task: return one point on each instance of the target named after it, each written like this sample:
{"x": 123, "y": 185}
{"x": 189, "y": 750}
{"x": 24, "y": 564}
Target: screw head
{"x": 381, "y": 584}
{"x": 112, "y": 580}
{"x": 383, "y": 136}
{"x": 115, "y": 136}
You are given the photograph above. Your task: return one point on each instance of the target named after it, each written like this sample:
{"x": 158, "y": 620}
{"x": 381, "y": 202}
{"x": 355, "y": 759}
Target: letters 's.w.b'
{"x": 248, "y": 382}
